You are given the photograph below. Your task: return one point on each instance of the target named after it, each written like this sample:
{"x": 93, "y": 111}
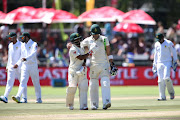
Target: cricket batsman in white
{"x": 29, "y": 67}
{"x": 77, "y": 73}
{"x": 100, "y": 63}
{"x": 14, "y": 54}
{"x": 165, "y": 57}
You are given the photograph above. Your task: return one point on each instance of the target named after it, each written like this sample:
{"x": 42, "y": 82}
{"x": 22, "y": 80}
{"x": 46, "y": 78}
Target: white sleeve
{"x": 73, "y": 53}
{"x": 84, "y": 43}
{"x": 8, "y": 58}
{"x": 19, "y": 61}
{"x": 173, "y": 51}
{"x": 155, "y": 55}
{"x": 34, "y": 51}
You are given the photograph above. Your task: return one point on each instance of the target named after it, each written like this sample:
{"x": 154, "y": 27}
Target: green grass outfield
{"x": 128, "y": 103}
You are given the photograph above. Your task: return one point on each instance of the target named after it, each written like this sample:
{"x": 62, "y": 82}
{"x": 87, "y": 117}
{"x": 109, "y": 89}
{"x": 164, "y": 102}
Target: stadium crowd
{"x": 52, "y": 51}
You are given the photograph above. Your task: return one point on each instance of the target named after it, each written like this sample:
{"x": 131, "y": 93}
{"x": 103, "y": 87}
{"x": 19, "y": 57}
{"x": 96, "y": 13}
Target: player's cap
{"x": 26, "y": 34}
{"x": 74, "y": 36}
{"x": 11, "y": 34}
{"x": 95, "y": 29}
{"x": 159, "y": 36}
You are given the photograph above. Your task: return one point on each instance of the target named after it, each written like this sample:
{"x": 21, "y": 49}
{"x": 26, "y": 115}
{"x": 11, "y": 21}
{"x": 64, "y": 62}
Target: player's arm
{"x": 8, "y": 60}
{"x": 114, "y": 69}
{"x": 83, "y": 57}
{"x": 108, "y": 52}
{"x": 154, "y": 68}
{"x": 173, "y": 51}
{"x": 34, "y": 51}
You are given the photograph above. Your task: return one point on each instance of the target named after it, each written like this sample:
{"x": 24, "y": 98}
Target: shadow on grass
{"x": 46, "y": 103}
{"x": 127, "y": 109}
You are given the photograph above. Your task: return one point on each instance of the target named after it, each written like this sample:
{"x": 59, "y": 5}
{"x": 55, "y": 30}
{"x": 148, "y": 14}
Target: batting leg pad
{"x": 94, "y": 92}
{"x": 162, "y": 88}
{"x": 105, "y": 88}
{"x": 169, "y": 85}
{"x": 70, "y": 92}
{"x": 83, "y": 89}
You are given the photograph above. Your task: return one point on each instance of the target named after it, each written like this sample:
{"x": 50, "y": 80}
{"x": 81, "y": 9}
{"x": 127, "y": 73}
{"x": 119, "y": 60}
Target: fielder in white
{"x": 29, "y": 67}
{"x": 77, "y": 73}
{"x": 162, "y": 65}
{"x": 99, "y": 67}
{"x": 14, "y": 54}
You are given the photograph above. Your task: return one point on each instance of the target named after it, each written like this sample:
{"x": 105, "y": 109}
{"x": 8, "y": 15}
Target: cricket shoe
{"x": 16, "y": 99}
{"x": 4, "y": 99}
{"x": 161, "y": 99}
{"x": 93, "y": 108}
{"x": 38, "y": 100}
{"x": 172, "y": 96}
{"x": 23, "y": 100}
{"x": 84, "y": 108}
{"x": 106, "y": 106}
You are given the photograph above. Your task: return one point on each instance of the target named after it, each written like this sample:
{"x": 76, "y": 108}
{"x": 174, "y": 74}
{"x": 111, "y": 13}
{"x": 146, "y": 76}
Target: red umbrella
{"x": 44, "y": 14}
{"x": 128, "y": 28}
{"x": 2, "y": 16}
{"x": 21, "y": 15}
{"x": 54, "y": 16}
{"x": 139, "y": 17}
{"x": 29, "y": 14}
{"x": 64, "y": 16}
{"x": 102, "y": 14}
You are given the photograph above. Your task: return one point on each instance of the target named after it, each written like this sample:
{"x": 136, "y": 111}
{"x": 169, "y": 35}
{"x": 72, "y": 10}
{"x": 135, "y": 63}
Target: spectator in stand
{"x": 149, "y": 34}
{"x": 59, "y": 55}
{"x": 41, "y": 57}
{"x": 51, "y": 40}
{"x": 79, "y": 28}
{"x": 4, "y": 30}
{"x": 160, "y": 28}
{"x": 35, "y": 35}
{"x": 108, "y": 31}
{"x": 171, "y": 33}
{"x": 141, "y": 48}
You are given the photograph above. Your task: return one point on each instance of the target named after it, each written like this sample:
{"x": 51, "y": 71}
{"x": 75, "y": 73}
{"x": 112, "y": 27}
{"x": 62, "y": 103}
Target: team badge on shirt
{"x": 29, "y": 47}
{"x": 74, "y": 52}
{"x": 165, "y": 46}
{"x": 16, "y": 48}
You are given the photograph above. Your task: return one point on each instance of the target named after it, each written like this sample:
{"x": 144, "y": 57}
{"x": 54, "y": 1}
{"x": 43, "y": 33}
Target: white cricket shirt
{"x": 14, "y": 54}
{"x": 164, "y": 51}
{"x": 29, "y": 51}
{"x": 75, "y": 64}
{"x": 100, "y": 56}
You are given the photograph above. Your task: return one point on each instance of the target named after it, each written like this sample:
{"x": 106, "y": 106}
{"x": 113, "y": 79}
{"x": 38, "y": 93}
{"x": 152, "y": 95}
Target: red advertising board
{"x": 125, "y": 76}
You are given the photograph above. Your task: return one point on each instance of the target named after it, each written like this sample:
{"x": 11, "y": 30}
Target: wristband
{"x": 110, "y": 57}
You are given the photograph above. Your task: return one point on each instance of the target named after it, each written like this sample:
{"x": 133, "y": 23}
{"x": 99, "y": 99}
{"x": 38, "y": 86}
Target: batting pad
{"x": 70, "y": 92}
{"x": 169, "y": 85}
{"x": 94, "y": 92}
{"x": 83, "y": 88}
{"x": 162, "y": 87}
{"x": 105, "y": 88}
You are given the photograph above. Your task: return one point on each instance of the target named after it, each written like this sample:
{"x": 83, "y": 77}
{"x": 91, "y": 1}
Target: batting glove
{"x": 113, "y": 70}
{"x": 154, "y": 68}
{"x": 174, "y": 66}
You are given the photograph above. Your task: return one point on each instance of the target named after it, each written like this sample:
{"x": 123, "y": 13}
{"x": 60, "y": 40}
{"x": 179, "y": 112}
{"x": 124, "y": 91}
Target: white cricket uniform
{"x": 163, "y": 61}
{"x": 99, "y": 67}
{"x": 29, "y": 67}
{"x": 74, "y": 79}
{"x": 14, "y": 54}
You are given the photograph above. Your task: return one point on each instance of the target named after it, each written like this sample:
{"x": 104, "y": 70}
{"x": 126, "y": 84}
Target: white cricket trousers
{"x": 33, "y": 72}
{"x": 11, "y": 76}
{"x": 101, "y": 70}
